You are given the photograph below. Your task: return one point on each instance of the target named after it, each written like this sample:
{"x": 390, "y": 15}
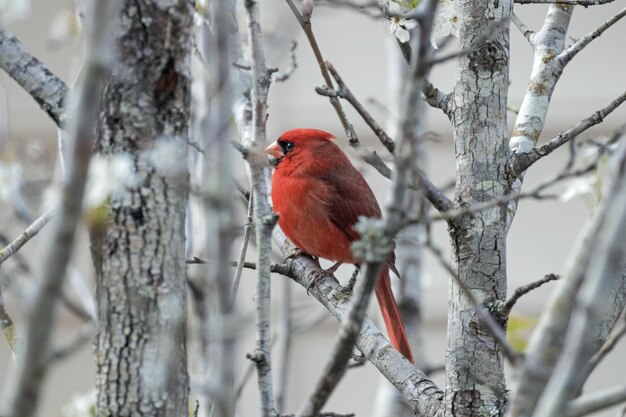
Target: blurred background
{"x": 539, "y": 242}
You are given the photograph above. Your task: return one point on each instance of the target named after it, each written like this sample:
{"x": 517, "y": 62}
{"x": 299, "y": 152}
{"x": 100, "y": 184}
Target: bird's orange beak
{"x": 275, "y": 150}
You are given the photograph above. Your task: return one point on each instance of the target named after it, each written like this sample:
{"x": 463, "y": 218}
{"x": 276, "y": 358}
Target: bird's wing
{"x": 353, "y": 198}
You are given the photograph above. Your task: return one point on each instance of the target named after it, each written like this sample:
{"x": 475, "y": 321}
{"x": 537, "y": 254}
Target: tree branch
{"x": 433, "y": 96}
{"x": 48, "y": 90}
{"x": 264, "y": 218}
{"x": 597, "y": 401}
{"x": 342, "y": 351}
{"x": 523, "y": 290}
{"x": 566, "y": 56}
{"x": 546, "y": 71}
{"x": 528, "y": 34}
{"x": 28, "y": 234}
{"x": 520, "y": 162}
{"x": 421, "y": 393}
{"x": 344, "y": 92}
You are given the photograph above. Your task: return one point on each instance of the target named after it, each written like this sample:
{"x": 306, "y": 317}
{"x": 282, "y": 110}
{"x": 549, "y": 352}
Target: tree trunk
{"x": 475, "y": 376}
{"x": 139, "y": 247}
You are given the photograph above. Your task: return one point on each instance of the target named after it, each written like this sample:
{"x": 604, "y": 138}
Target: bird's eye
{"x": 286, "y": 146}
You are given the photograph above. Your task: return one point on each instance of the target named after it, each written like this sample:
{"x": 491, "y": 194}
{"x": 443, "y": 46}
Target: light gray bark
{"x": 45, "y": 88}
{"x": 475, "y": 376}
{"x": 138, "y": 250}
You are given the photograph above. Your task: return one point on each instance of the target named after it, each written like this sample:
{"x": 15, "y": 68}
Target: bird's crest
{"x": 306, "y": 134}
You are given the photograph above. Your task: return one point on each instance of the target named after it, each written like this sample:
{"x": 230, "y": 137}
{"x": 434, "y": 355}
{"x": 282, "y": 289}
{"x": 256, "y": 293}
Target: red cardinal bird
{"x": 319, "y": 196}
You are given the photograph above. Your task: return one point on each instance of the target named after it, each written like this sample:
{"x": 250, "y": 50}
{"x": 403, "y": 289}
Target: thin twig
{"x": 453, "y": 214}
{"x": 344, "y": 92}
{"x": 566, "y": 56}
{"x": 264, "y": 218}
{"x": 523, "y": 290}
{"x": 247, "y": 232}
{"x": 528, "y": 33}
{"x": 28, "y": 234}
{"x": 433, "y": 96}
{"x": 293, "y": 65}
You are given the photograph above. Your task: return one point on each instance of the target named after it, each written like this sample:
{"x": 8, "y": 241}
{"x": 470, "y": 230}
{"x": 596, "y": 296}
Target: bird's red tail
{"x": 391, "y": 316}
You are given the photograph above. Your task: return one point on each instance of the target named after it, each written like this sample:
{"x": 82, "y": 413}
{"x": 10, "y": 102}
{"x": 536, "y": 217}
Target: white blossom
{"x": 400, "y": 27}
{"x": 14, "y": 10}
{"x": 82, "y": 406}
{"x": 446, "y": 21}
{"x": 581, "y": 186}
{"x": 109, "y": 175}
{"x": 169, "y": 156}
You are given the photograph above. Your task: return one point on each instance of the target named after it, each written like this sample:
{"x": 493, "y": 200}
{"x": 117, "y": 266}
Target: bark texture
{"x": 475, "y": 378}
{"x": 139, "y": 248}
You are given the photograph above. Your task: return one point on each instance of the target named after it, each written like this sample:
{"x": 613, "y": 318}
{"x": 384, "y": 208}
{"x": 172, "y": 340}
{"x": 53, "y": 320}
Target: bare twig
{"x": 520, "y": 162}
{"x": 48, "y": 90}
{"x": 597, "y": 401}
{"x": 344, "y": 92}
{"x": 528, "y": 34}
{"x": 26, "y": 384}
{"x": 436, "y": 197}
{"x": 293, "y": 65}
{"x": 566, "y": 56}
{"x": 264, "y": 218}
{"x": 523, "y": 290}
{"x": 369, "y": 156}
{"x": 433, "y": 96}
{"x": 29, "y": 233}
{"x": 247, "y": 231}
{"x": 452, "y": 214}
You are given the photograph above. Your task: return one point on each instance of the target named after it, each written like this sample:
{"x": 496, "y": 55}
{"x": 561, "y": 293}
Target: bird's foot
{"x": 299, "y": 252}
{"x": 320, "y": 274}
